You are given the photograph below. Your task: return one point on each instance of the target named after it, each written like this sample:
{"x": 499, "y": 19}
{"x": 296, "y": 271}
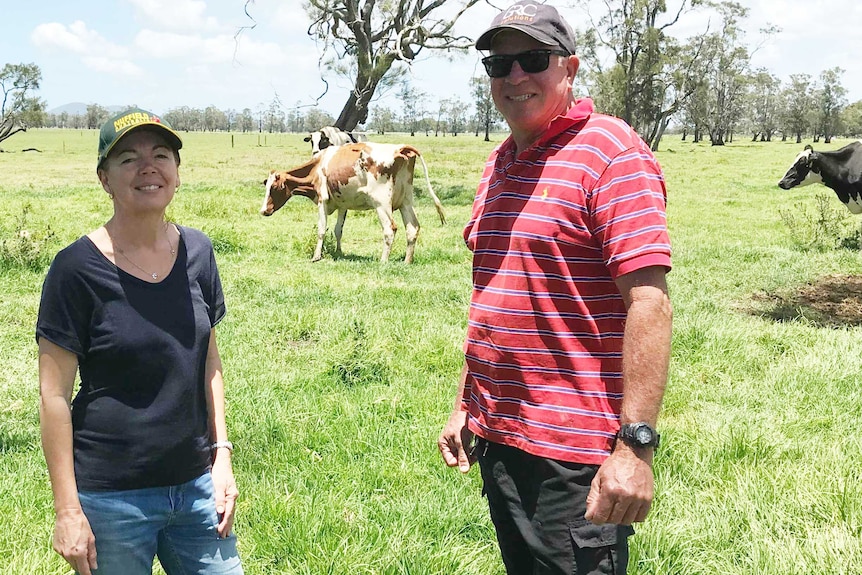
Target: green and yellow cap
{"x": 118, "y": 126}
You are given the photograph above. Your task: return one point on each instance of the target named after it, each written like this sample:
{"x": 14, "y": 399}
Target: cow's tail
{"x": 437, "y": 203}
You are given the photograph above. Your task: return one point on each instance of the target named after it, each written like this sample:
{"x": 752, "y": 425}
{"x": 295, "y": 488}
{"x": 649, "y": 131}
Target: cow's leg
{"x": 321, "y": 231}
{"x": 411, "y": 228}
{"x": 339, "y": 227}
{"x": 387, "y": 222}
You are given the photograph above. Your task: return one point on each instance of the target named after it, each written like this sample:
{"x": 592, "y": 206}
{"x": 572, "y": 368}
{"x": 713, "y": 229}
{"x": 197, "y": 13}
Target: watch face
{"x": 643, "y": 435}
{"x": 639, "y": 435}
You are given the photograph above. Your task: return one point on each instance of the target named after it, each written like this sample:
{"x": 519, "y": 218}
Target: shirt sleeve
{"x": 628, "y": 205}
{"x": 65, "y": 309}
{"x": 214, "y": 293}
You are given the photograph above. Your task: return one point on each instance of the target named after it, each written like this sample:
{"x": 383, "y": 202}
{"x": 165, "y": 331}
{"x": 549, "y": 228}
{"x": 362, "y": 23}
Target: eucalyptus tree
{"x": 456, "y": 115}
{"x": 442, "y": 110}
{"x": 245, "y": 120}
{"x": 695, "y": 111}
{"x": 764, "y": 104}
{"x": 273, "y": 117}
{"x": 412, "y": 107}
{"x": 382, "y": 120}
{"x": 487, "y": 114}
{"x": 799, "y": 100}
{"x": 364, "y": 39}
{"x": 214, "y": 119}
{"x": 831, "y": 99}
{"x": 650, "y": 78}
{"x": 19, "y": 109}
{"x": 727, "y": 62}
{"x": 852, "y": 119}
{"x": 96, "y": 116}
{"x": 315, "y": 118}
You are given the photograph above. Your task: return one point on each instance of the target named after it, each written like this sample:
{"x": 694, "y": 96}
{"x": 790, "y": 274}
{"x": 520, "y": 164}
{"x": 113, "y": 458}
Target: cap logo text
{"x": 520, "y": 12}
{"x": 132, "y": 120}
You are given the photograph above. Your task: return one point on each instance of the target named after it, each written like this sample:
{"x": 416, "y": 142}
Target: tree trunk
{"x": 355, "y": 110}
{"x": 657, "y": 139}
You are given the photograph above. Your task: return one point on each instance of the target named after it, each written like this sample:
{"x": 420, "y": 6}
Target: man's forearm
{"x": 646, "y": 354}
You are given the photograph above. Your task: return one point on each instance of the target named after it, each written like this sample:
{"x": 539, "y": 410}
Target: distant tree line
{"x": 704, "y": 86}
{"x": 415, "y": 114}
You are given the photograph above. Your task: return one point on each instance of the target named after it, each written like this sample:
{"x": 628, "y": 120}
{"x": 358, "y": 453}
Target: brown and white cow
{"x": 361, "y": 176}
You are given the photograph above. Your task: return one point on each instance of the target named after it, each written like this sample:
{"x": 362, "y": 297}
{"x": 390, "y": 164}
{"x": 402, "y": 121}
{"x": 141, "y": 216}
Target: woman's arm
{"x": 222, "y": 472}
{"x": 73, "y": 538}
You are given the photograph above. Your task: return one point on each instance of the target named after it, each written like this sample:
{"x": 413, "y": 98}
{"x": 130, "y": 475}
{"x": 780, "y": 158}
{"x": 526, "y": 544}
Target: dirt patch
{"x": 832, "y": 301}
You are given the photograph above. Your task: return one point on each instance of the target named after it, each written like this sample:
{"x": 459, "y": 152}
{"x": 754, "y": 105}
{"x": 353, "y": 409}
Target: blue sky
{"x": 162, "y": 54}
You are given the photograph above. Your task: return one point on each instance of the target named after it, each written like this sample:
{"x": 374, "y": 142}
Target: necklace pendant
{"x": 155, "y": 276}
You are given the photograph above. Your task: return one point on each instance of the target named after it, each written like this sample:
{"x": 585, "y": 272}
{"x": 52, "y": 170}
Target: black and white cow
{"x": 840, "y": 170}
{"x": 332, "y": 136}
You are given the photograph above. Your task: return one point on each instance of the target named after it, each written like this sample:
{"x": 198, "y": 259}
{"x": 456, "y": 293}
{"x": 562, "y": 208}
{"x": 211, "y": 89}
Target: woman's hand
{"x": 226, "y": 491}
{"x": 74, "y": 540}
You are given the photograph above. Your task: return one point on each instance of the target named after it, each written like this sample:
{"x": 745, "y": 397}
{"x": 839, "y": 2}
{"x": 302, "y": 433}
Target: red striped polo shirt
{"x": 549, "y": 232}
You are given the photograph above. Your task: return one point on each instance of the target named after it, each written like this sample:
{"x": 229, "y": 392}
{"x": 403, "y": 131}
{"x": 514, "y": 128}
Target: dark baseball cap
{"x": 536, "y": 20}
{"x": 118, "y": 126}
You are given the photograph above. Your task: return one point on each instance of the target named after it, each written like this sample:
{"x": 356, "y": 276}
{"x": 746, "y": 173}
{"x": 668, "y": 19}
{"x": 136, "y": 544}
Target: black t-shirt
{"x": 140, "y": 417}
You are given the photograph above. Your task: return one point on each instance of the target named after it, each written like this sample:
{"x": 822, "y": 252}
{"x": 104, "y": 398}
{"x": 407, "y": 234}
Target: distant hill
{"x": 80, "y": 109}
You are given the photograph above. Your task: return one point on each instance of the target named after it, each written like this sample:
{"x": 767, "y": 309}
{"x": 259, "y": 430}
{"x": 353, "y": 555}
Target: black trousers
{"x": 538, "y": 506}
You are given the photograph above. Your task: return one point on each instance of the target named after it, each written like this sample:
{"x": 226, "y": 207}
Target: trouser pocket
{"x": 600, "y": 549}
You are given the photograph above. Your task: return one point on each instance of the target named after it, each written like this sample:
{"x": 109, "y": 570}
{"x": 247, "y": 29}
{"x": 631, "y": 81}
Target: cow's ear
{"x": 807, "y": 147}
{"x": 306, "y": 139}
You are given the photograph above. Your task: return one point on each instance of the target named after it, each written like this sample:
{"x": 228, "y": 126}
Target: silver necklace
{"x": 153, "y": 275}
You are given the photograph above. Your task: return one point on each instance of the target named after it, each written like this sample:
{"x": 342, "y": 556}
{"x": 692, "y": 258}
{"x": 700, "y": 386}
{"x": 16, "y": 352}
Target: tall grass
{"x": 340, "y": 373}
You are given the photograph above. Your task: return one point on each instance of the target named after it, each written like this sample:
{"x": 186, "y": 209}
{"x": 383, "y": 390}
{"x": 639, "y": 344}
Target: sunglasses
{"x": 531, "y": 62}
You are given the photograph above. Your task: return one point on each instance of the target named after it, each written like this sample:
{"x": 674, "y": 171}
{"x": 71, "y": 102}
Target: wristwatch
{"x": 219, "y": 444}
{"x": 640, "y": 434}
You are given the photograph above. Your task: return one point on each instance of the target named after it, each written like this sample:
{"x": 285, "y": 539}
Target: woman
{"x": 139, "y": 462}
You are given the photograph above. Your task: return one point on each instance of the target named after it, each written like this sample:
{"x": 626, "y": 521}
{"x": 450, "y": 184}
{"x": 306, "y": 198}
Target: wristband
{"x": 219, "y": 444}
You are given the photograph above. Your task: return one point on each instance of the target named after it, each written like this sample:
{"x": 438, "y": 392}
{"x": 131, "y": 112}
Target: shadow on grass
{"x": 833, "y": 301}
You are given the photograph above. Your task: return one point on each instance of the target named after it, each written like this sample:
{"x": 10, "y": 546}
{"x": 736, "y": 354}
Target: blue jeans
{"x": 176, "y": 523}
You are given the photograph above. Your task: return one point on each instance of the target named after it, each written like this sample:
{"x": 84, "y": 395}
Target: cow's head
{"x": 319, "y": 141}
{"x": 803, "y": 172}
{"x": 280, "y": 186}
{"x": 277, "y": 193}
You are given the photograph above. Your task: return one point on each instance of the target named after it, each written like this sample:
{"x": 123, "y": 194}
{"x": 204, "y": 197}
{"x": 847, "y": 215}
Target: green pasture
{"x": 340, "y": 373}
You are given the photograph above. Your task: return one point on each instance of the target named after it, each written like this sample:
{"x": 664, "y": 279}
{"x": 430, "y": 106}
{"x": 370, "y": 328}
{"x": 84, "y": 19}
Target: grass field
{"x": 341, "y": 373}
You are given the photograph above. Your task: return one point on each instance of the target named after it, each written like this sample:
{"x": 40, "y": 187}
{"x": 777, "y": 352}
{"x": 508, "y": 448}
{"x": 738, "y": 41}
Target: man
{"x": 568, "y": 337}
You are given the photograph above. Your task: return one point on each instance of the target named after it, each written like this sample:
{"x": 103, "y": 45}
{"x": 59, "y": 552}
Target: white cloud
{"x": 222, "y": 49}
{"x": 168, "y": 44}
{"x": 178, "y": 15}
{"x": 289, "y": 19}
{"x": 75, "y": 38}
{"x": 113, "y": 66}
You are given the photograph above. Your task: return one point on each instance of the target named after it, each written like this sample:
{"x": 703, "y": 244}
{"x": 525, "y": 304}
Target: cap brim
{"x": 484, "y": 41}
{"x": 172, "y": 137}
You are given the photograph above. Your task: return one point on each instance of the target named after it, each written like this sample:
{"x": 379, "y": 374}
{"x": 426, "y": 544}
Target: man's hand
{"x": 454, "y": 442}
{"x": 622, "y": 491}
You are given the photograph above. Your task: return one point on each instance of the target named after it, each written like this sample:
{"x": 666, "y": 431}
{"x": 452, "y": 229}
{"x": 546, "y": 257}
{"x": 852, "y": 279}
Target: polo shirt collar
{"x": 580, "y": 111}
